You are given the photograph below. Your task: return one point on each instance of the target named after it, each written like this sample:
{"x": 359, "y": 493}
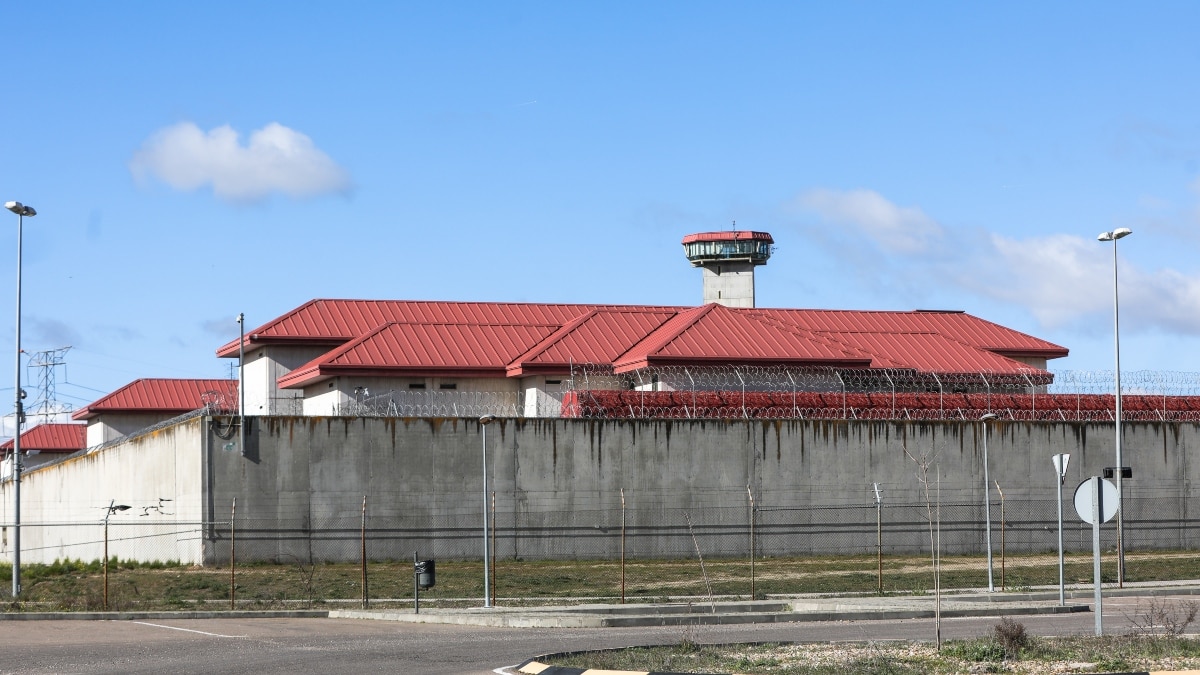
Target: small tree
{"x": 924, "y": 461}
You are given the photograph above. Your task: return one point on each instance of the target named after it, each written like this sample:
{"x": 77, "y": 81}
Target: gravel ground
{"x": 923, "y": 657}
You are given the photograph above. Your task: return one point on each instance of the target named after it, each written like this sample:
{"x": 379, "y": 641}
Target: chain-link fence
{"x": 635, "y": 549}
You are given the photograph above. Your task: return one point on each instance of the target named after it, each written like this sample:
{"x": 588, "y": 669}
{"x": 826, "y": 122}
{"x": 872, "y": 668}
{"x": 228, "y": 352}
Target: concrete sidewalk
{"x": 702, "y": 612}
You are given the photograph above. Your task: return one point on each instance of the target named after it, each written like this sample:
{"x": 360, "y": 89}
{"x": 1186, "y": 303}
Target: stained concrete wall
{"x": 559, "y": 484}
{"x": 566, "y": 477}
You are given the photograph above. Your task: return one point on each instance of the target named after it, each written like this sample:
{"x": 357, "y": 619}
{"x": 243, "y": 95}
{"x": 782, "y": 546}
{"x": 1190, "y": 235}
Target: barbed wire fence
{"x": 776, "y": 392}
{"x": 731, "y": 392}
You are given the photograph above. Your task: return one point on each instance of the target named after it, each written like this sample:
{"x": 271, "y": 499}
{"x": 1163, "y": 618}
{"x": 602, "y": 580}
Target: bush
{"x": 1011, "y": 636}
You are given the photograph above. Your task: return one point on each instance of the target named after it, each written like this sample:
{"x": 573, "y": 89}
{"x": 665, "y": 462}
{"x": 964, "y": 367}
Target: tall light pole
{"x": 22, "y": 211}
{"x": 241, "y": 392}
{"x": 987, "y": 500}
{"x": 487, "y": 595}
{"x": 1113, "y": 237}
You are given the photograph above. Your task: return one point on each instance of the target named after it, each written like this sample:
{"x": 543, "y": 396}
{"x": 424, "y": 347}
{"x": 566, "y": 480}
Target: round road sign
{"x": 1084, "y": 500}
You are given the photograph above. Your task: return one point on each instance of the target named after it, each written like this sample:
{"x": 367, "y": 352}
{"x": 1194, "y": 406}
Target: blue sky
{"x": 190, "y": 161}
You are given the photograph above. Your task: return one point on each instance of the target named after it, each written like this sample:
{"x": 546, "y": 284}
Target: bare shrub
{"x": 1163, "y": 617}
{"x": 1011, "y": 636}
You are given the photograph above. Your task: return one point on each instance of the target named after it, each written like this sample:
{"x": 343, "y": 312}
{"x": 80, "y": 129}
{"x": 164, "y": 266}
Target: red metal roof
{"x": 959, "y": 326}
{"x": 928, "y": 352}
{"x": 715, "y": 333}
{"x": 162, "y": 395}
{"x": 398, "y": 349}
{"x": 335, "y": 322}
{"x": 596, "y": 338}
{"x": 730, "y": 235}
{"x": 393, "y": 336}
{"x": 52, "y": 438}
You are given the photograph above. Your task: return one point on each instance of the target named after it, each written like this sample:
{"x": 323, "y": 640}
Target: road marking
{"x": 186, "y": 630}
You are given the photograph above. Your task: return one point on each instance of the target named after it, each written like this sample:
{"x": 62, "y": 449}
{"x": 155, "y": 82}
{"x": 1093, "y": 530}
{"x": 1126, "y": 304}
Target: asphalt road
{"x": 344, "y": 645}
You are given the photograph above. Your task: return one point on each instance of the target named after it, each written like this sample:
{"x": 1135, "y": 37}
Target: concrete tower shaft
{"x": 728, "y": 260}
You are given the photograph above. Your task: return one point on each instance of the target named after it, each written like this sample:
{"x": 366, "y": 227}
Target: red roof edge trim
{"x": 734, "y": 235}
{"x": 1045, "y": 353}
{"x": 526, "y": 370}
{"x": 630, "y": 366}
{"x": 231, "y": 350}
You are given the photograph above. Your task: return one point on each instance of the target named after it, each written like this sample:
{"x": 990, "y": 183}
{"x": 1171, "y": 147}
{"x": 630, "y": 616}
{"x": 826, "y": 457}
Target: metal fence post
{"x": 232, "y": 554}
{"x": 363, "y": 540}
{"x": 622, "y": 546}
{"x": 106, "y": 561}
{"x": 493, "y": 548}
{"x": 1002, "y": 528}
{"x": 879, "y": 538}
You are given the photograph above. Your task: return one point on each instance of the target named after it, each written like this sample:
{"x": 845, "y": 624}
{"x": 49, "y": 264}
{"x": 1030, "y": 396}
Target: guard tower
{"x": 728, "y": 260}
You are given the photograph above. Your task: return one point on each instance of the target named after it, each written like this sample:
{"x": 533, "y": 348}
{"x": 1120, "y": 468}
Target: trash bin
{"x": 426, "y": 574}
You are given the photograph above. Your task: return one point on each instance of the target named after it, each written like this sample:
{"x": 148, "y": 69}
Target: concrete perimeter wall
{"x": 559, "y": 484}
{"x": 300, "y": 486}
{"x": 63, "y": 504}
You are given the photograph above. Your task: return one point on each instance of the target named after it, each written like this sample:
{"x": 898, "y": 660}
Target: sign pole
{"x": 1096, "y": 520}
{"x": 1060, "y": 468}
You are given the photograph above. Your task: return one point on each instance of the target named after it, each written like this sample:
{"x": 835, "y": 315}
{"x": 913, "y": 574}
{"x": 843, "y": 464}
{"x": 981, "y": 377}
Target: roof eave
{"x": 637, "y": 364}
{"x": 230, "y": 350}
{"x": 294, "y": 380}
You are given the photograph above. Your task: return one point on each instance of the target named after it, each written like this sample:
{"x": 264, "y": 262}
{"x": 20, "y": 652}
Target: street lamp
{"x": 987, "y": 500}
{"x": 487, "y": 595}
{"x": 241, "y": 392}
{"x": 1113, "y": 237}
{"x": 22, "y": 211}
{"x": 112, "y": 508}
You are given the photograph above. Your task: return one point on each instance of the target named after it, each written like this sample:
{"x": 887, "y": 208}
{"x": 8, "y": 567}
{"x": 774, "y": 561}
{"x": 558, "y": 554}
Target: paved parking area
{"x": 301, "y": 646}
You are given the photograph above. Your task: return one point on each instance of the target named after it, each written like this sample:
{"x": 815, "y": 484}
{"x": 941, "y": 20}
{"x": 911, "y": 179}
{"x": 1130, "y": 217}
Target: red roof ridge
{"x": 545, "y": 343}
{"x": 684, "y": 319}
{"x": 524, "y": 364}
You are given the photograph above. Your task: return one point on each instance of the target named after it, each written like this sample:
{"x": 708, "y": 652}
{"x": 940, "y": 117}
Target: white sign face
{"x": 1060, "y": 464}
{"x": 1084, "y": 500}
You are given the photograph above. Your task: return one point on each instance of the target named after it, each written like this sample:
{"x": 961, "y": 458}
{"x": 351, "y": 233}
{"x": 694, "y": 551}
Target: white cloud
{"x": 275, "y": 160}
{"x": 1060, "y": 279}
{"x": 1063, "y": 278}
{"x": 894, "y": 228}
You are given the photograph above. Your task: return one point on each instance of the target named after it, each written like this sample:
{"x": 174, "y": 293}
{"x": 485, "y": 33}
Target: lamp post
{"x": 22, "y": 211}
{"x": 241, "y": 392}
{"x": 1113, "y": 237}
{"x": 987, "y": 500}
{"x": 487, "y": 595}
{"x": 112, "y": 507}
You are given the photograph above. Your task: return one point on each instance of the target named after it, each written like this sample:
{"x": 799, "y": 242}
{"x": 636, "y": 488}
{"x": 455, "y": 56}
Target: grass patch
{"x": 980, "y": 655}
{"x": 72, "y": 585}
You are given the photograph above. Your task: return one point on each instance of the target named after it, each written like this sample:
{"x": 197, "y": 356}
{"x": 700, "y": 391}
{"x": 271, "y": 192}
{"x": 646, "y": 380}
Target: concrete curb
{"x": 559, "y": 618}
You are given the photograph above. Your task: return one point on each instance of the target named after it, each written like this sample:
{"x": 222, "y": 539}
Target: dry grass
{"x": 76, "y": 586}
